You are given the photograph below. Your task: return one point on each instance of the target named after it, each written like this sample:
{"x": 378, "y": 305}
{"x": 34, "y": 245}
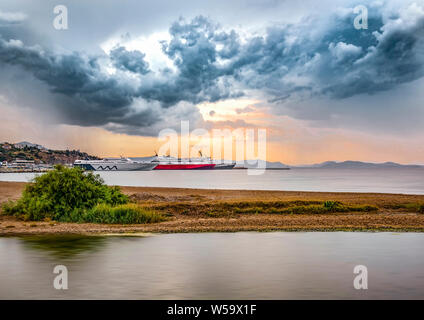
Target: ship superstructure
{"x": 200, "y": 163}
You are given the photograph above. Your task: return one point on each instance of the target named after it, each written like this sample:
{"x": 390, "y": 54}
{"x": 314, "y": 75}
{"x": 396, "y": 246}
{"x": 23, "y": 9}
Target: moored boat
{"x": 201, "y": 163}
{"x": 122, "y": 164}
{"x": 171, "y": 163}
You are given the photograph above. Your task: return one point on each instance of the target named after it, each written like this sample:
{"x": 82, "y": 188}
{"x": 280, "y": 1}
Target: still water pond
{"x": 215, "y": 266}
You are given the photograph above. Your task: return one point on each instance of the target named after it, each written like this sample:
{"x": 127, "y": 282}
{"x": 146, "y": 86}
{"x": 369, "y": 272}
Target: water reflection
{"x": 64, "y": 246}
{"x": 215, "y": 266}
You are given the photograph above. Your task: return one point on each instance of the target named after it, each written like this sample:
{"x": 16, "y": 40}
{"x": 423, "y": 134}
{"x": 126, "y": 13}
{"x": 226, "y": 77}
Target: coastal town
{"x": 29, "y": 157}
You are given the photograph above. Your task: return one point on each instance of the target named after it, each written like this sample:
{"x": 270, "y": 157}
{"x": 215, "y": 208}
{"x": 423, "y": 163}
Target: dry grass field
{"x": 199, "y": 210}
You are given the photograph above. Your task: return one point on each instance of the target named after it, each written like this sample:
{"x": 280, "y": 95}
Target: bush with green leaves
{"x": 64, "y": 194}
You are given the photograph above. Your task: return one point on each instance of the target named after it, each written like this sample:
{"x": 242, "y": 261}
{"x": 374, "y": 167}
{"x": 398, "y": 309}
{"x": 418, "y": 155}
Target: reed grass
{"x": 415, "y": 207}
{"x": 216, "y": 209}
{"x": 121, "y": 214}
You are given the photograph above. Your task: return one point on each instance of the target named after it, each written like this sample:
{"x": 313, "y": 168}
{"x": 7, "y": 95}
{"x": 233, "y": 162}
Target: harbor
{"x": 122, "y": 164}
{"x": 22, "y": 166}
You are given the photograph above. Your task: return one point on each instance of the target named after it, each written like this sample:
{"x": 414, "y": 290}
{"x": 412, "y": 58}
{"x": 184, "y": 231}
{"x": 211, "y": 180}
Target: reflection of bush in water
{"x": 63, "y": 246}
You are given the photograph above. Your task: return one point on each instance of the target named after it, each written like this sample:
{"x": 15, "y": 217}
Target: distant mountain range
{"x": 269, "y": 164}
{"x": 323, "y": 165}
{"x": 336, "y": 165}
{"x": 358, "y": 165}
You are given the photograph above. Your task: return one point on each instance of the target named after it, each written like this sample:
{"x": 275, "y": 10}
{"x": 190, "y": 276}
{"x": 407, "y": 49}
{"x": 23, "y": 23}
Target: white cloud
{"x": 12, "y": 17}
{"x": 342, "y": 51}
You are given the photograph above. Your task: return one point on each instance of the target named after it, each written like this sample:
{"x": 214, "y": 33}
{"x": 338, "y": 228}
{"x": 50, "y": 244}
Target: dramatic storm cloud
{"x": 282, "y": 64}
{"x": 129, "y": 60}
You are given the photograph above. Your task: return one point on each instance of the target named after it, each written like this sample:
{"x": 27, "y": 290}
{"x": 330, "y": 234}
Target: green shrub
{"x": 63, "y": 194}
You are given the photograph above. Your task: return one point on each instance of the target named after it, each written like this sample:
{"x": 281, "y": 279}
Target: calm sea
{"x": 215, "y": 266}
{"x": 405, "y": 180}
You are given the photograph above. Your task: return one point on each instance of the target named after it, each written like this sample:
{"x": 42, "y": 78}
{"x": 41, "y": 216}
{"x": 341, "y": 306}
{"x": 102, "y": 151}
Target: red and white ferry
{"x": 202, "y": 163}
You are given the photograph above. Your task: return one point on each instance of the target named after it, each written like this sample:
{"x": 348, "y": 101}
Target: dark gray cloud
{"x": 283, "y": 64}
{"x": 83, "y": 93}
{"x": 199, "y": 76}
{"x": 338, "y": 61}
{"x": 86, "y": 91}
{"x": 307, "y": 59}
{"x": 397, "y": 57}
{"x": 129, "y": 60}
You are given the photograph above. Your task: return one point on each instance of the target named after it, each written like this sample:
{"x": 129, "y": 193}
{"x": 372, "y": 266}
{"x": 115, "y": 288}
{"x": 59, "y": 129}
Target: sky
{"x": 122, "y": 71}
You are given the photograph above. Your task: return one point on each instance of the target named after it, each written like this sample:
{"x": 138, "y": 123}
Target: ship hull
{"x": 117, "y": 166}
{"x": 225, "y": 166}
{"x": 206, "y": 166}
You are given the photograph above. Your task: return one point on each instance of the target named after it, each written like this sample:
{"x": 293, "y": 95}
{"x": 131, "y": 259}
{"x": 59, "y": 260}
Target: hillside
{"x": 359, "y": 165}
{"x": 252, "y": 164}
{"x": 10, "y": 152}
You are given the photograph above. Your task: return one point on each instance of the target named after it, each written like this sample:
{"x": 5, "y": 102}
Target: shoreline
{"x": 189, "y": 211}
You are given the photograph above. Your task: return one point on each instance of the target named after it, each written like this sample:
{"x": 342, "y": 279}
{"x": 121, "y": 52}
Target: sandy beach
{"x": 187, "y": 211}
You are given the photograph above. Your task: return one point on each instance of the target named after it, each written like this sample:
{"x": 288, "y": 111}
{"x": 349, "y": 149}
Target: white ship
{"x": 122, "y": 164}
{"x": 201, "y": 163}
